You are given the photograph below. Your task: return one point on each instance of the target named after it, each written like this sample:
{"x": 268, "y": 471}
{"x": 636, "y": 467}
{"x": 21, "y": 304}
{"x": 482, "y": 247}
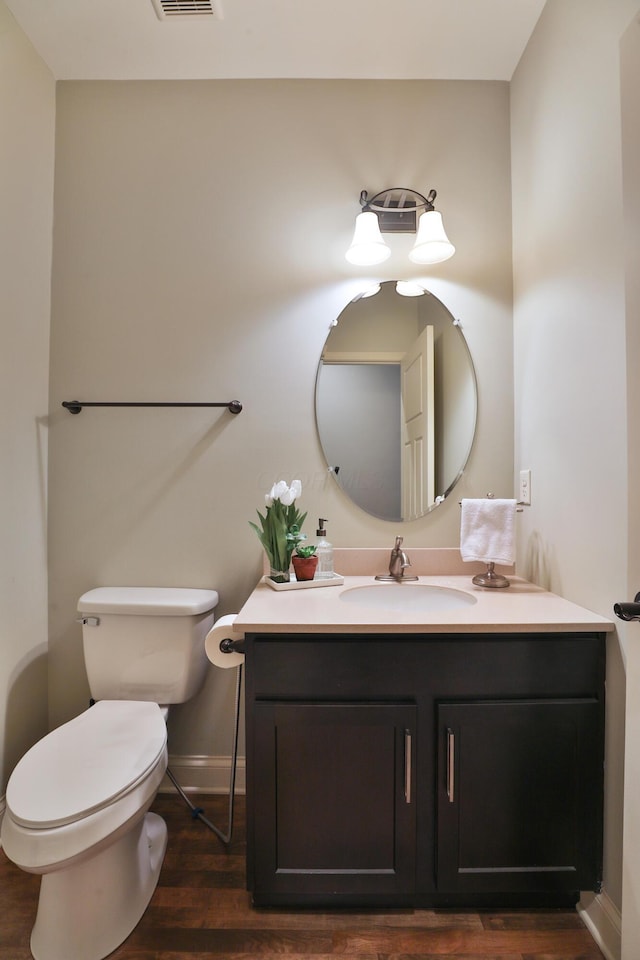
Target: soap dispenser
{"x": 324, "y": 553}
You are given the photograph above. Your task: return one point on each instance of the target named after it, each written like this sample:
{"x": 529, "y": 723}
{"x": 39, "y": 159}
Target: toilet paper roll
{"x": 223, "y": 630}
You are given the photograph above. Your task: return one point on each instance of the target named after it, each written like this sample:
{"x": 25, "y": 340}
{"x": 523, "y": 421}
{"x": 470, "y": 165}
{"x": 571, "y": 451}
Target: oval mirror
{"x": 396, "y": 401}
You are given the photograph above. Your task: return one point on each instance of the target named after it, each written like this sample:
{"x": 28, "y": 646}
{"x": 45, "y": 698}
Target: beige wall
{"x": 200, "y": 231}
{"x": 569, "y": 331}
{"x": 27, "y": 113}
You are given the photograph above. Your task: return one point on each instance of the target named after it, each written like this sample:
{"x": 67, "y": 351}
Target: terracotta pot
{"x": 304, "y": 567}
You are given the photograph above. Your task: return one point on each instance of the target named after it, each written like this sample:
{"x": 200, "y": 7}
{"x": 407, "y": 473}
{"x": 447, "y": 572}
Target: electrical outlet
{"x": 524, "y": 493}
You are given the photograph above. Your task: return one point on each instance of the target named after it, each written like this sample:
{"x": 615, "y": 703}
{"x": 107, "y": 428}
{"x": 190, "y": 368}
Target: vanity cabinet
{"x": 424, "y": 769}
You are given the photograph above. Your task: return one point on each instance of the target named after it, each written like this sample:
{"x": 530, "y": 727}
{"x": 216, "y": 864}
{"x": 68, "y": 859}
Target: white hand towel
{"x": 487, "y": 530}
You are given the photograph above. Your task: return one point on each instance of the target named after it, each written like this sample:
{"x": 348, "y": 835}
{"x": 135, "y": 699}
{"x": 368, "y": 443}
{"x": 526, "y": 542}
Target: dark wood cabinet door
{"x": 334, "y": 806}
{"x": 519, "y": 795}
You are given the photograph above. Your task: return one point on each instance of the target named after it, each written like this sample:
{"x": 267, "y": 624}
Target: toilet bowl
{"x": 76, "y": 813}
{"x": 77, "y": 804}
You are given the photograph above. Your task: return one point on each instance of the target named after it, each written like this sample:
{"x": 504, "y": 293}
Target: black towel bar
{"x": 75, "y": 406}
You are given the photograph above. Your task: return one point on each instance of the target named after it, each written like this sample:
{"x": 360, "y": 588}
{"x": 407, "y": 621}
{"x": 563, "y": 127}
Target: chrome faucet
{"x": 398, "y": 562}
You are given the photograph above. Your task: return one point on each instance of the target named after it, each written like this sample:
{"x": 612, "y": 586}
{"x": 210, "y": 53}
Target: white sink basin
{"x": 408, "y": 596}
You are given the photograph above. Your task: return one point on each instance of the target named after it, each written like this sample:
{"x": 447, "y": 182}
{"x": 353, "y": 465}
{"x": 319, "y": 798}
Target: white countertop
{"x": 520, "y": 608}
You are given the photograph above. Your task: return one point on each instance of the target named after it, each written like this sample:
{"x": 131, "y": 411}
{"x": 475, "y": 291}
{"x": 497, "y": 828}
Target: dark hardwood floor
{"x": 201, "y": 910}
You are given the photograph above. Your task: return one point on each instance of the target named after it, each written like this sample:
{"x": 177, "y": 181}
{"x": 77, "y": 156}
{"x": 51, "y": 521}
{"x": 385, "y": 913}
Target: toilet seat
{"x": 66, "y": 798}
{"x": 86, "y": 764}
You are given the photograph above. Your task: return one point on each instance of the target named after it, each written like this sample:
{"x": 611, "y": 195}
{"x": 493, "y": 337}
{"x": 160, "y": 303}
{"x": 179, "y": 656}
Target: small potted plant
{"x": 305, "y": 561}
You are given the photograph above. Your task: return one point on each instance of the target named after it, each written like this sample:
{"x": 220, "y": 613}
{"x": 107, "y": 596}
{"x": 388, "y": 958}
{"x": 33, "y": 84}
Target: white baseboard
{"x": 603, "y": 921}
{"x": 202, "y": 774}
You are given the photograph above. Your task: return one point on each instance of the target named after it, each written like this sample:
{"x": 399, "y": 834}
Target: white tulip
{"x": 285, "y": 494}
{"x": 279, "y": 490}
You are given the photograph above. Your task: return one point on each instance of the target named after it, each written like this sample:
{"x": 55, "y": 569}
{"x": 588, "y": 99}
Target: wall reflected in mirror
{"x": 396, "y": 403}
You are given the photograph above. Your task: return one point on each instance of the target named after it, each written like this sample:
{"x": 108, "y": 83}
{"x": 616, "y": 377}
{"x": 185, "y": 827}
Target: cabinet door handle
{"x": 407, "y": 766}
{"x": 451, "y": 764}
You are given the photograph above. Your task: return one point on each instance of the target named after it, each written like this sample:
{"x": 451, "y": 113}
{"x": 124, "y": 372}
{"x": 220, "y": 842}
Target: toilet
{"x": 77, "y": 803}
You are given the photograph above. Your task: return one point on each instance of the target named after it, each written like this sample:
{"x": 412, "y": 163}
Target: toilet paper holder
{"x": 228, "y": 645}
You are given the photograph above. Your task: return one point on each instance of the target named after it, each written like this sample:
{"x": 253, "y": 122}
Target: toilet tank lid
{"x": 148, "y": 601}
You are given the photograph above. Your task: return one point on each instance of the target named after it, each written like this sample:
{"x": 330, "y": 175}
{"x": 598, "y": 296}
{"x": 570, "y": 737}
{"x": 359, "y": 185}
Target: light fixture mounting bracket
{"x": 397, "y": 208}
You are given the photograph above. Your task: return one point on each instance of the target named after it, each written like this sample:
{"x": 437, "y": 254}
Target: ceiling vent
{"x": 180, "y": 9}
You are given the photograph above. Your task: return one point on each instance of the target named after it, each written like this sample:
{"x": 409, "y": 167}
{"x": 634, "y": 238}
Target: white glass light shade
{"x": 367, "y": 246}
{"x": 432, "y": 244}
{"x": 409, "y": 288}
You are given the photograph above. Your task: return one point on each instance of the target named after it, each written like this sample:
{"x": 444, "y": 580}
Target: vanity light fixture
{"x": 396, "y": 211}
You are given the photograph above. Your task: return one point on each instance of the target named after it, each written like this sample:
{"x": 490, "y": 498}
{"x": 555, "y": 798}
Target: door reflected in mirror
{"x": 396, "y": 403}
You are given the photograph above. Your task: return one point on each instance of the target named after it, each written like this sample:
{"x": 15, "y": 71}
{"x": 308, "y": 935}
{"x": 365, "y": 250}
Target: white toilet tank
{"x": 146, "y": 643}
